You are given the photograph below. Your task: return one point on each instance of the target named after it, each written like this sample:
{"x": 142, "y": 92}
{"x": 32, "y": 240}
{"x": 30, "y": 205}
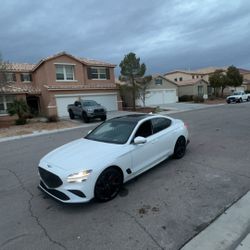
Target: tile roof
{"x": 22, "y": 88}
{"x": 190, "y": 82}
{"x": 86, "y": 61}
{"x": 80, "y": 87}
{"x": 20, "y": 67}
{"x": 202, "y": 71}
{"x": 244, "y": 71}
{"x": 27, "y": 67}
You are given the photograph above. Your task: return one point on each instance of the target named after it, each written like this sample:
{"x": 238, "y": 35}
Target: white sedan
{"x": 113, "y": 153}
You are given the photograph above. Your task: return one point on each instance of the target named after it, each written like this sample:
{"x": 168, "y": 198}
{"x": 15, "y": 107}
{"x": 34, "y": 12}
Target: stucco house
{"x": 246, "y": 78}
{"x": 194, "y": 87}
{"x": 160, "y": 91}
{"x": 58, "y": 80}
{"x": 187, "y": 77}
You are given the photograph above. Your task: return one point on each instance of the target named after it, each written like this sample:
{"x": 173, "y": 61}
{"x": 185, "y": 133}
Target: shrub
{"x": 186, "y": 98}
{"x": 20, "y": 121}
{"x": 19, "y": 108}
{"x": 198, "y": 99}
{"x": 212, "y": 97}
{"x": 52, "y": 118}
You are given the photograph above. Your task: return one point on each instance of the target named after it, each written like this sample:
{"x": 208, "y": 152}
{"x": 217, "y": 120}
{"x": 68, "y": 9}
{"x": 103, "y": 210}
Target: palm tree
{"x": 19, "y": 108}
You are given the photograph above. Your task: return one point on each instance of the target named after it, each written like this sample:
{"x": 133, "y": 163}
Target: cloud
{"x": 164, "y": 34}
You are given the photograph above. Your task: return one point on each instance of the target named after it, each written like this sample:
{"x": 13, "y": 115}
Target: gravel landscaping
{"x": 36, "y": 127}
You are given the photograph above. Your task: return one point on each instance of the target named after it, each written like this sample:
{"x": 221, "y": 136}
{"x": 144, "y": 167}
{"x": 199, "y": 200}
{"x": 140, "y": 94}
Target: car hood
{"x": 235, "y": 96}
{"x": 83, "y": 153}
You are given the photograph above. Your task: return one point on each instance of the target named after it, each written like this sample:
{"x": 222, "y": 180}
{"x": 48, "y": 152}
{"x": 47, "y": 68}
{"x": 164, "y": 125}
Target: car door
{"x": 163, "y": 134}
{"x": 143, "y": 155}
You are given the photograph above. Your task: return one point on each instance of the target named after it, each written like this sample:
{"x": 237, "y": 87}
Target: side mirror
{"x": 140, "y": 140}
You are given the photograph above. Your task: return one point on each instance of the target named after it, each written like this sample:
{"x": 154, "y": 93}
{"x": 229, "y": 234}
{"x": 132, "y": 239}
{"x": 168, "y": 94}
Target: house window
{"x": 180, "y": 79}
{"x": 26, "y": 77}
{"x": 201, "y": 76}
{"x": 200, "y": 91}
{"x": 5, "y": 102}
{"x": 175, "y": 79}
{"x": 65, "y": 72}
{"x": 158, "y": 81}
{"x": 10, "y": 77}
{"x": 192, "y": 76}
{"x": 197, "y": 77}
{"x": 100, "y": 73}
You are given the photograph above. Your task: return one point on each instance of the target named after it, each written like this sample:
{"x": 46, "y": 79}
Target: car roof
{"x": 132, "y": 118}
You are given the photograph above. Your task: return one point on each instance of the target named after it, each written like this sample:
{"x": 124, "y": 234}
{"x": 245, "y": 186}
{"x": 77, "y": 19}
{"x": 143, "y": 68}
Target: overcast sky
{"x": 166, "y": 35}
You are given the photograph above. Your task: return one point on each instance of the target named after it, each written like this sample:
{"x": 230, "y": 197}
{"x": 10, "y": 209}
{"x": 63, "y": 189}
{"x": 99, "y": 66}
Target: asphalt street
{"x": 161, "y": 209}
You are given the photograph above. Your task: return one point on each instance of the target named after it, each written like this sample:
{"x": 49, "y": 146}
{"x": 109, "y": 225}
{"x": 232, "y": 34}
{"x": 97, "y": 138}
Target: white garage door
{"x": 159, "y": 97}
{"x": 109, "y": 101}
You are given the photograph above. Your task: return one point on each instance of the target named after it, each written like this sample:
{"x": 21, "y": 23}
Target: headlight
{"x": 90, "y": 110}
{"x": 79, "y": 177}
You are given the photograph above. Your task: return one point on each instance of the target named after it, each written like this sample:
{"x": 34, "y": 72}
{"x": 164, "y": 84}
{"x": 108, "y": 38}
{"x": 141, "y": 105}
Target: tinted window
{"x": 112, "y": 131}
{"x": 160, "y": 123}
{"x": 144, "y": 130}
{"x": 90, "y": 103}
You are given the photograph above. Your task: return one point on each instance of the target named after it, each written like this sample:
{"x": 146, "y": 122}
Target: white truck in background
{"x": 238, "y": 96}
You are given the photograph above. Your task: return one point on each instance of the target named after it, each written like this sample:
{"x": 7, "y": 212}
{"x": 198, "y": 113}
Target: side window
{"x": 160, "y": 123}
{"x": 144, "y": 130}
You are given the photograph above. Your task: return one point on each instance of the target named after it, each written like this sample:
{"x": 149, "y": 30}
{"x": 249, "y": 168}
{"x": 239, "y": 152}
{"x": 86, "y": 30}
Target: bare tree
{"x": 143, "y": 85}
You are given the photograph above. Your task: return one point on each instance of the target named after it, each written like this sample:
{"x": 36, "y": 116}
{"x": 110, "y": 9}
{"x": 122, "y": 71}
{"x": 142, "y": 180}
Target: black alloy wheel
{"x": 85, "y": 117}
{"x": 108, "y": 184}
{"x": 71, "y": 115}
{"x": 180, "y": 148}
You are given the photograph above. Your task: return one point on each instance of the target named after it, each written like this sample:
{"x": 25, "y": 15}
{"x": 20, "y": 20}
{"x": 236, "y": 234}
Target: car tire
{"x": 85, "y": 117}
{"x": 248, "y": 99}
{"x": 180, "y": 147}
{"x": 108, "y": 184}
{"x": 104, "y": 118}
{"x": 71, "y": 115}
{"x": 240, "y": 101}
{"x": 228, "y": 101}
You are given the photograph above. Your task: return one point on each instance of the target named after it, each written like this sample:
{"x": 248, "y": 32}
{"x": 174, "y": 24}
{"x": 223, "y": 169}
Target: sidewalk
{"x": 231, "y": 230}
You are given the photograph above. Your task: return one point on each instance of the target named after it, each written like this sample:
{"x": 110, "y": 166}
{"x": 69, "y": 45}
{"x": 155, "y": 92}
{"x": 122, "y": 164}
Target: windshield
{"x": 237, "y": 93}
{"x": 112, "y": 131}
{"x": 90, "y": 103}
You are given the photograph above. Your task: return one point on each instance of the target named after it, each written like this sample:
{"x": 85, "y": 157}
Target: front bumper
{"x": 62, "y": 190}
{"x": 64, "y": 195}
{"x": 96, "y": 115}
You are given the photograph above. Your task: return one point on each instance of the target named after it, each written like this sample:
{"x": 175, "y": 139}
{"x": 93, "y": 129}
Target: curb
{"x": 227, "y": 231}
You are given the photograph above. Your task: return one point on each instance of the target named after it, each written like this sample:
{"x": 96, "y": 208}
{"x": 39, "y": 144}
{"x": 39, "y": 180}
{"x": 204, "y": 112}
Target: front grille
{"x": 97, "y": 111}
{"x": 50, "y": 179}
{"x": 55, "y": 193}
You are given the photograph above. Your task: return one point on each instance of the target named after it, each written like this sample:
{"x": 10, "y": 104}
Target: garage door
{"x": 159, "y": 97}
{"x": 109, "y": 101}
